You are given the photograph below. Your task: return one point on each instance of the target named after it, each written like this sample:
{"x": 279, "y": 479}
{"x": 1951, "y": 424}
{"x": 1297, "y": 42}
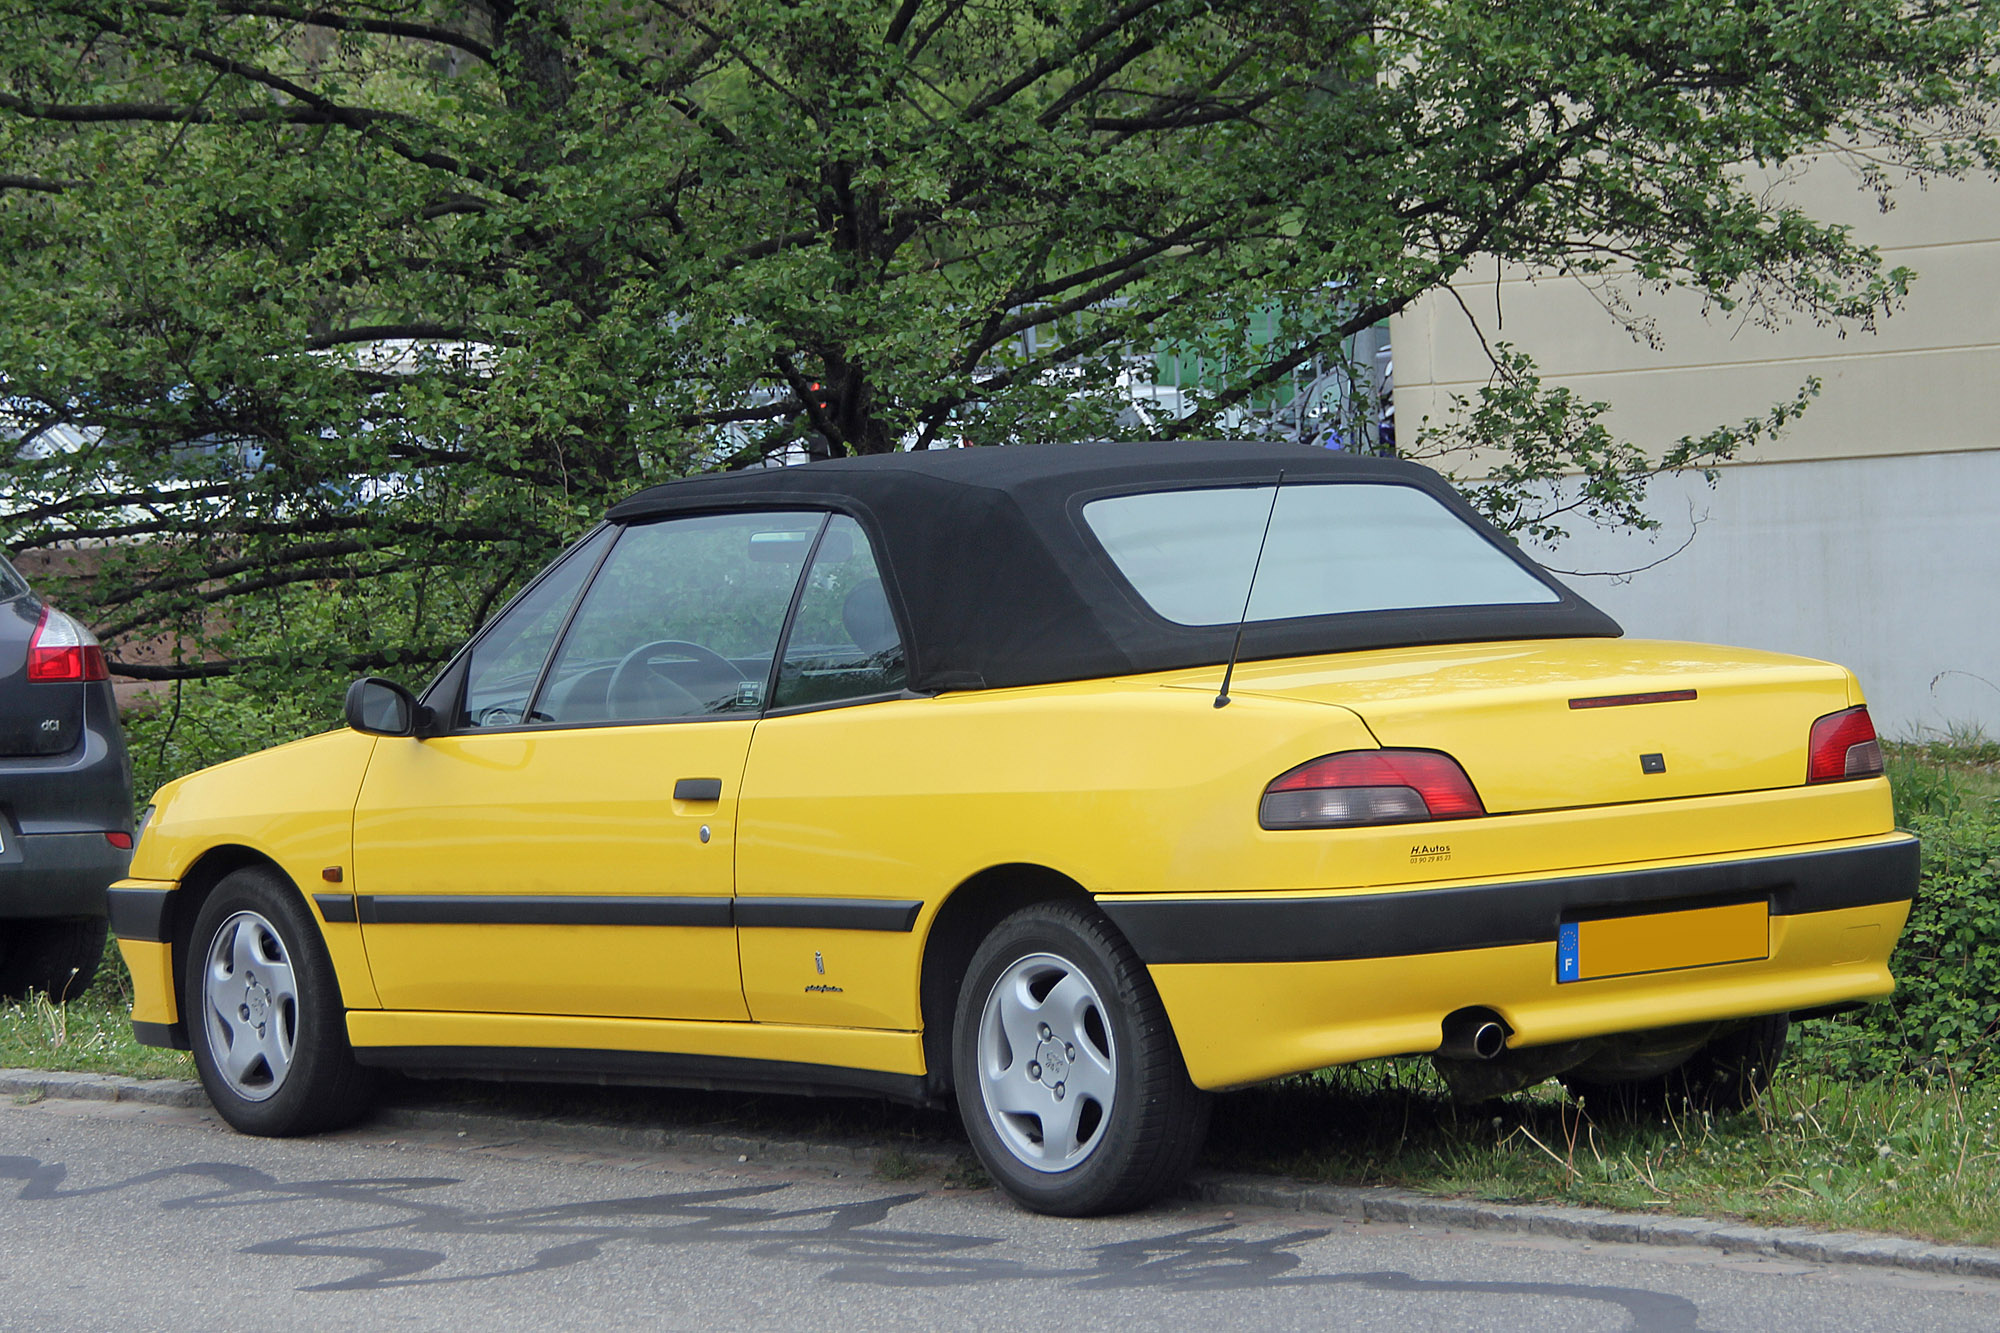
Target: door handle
{"x": 698, "y": 789}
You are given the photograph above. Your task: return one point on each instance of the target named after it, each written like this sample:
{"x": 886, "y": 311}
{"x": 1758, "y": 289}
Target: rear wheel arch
{"x": 968, "y": 914}
{"x": 1071, "y": 1084}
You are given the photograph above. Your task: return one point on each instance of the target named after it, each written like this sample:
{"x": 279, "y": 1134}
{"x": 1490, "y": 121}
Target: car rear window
{"x": 1333, "y": 548}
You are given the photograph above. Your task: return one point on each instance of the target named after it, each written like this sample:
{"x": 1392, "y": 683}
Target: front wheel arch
{"x": 314, "y": 1082}
{"x": 184, "y": 904}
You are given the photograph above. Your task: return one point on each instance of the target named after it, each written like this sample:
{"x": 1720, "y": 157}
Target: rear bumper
{"x": 54, "y": 813}
{"x": 46, "y": 875}
{"x": 1260, "y": 986}
{"x": 1330, "y": 926}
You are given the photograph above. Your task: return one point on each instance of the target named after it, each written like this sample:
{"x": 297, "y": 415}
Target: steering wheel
{"x": 632, "y": 681}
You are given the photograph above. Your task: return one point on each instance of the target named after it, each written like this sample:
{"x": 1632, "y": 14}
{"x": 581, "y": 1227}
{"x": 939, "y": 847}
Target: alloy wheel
{"x": 1048, "y": 1066}
{"x": 251, "y": 1005}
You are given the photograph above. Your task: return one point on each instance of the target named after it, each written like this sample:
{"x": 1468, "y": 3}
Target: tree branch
{"x": 353, "y": 117}
{"x": 368, "y": 333}
{"x": 113, "y": 500}
{"x": 815, "y": 410}
{"x": 169, "y": 114}
{"x": 1092, "y": 81}
{"x": 422, "y": 654}
{"x": 40, "y": 184}
{"x": 1047, "y": 65}
{"x": 900, "y": 22}
{"x": 326, "y": 18}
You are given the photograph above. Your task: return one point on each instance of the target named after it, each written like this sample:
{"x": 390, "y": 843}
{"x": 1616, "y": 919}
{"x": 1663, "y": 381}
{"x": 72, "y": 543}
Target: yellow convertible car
{"x": 1070, "y": 781}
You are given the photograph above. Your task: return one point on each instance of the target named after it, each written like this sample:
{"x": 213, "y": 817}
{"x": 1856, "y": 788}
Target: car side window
{"x": 507, "y": 660}
{"x": 681, "y": 621}
{"x": 844, "y": 643}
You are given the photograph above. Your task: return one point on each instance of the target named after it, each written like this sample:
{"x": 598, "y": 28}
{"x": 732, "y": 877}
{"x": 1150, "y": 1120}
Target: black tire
{"x": 1128, "y": 1152}
{"x": 256, "y": 918}
{"x": 1727, "y": 1074}
{"x": 58, "y": 958}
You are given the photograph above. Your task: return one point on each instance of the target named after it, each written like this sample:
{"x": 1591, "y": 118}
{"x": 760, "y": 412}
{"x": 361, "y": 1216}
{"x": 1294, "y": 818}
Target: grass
{"x": 1943, "y": 776}
{"x": 1917, "y": 1159}
{"x": 1914, "y": 1156}
{"x": 90, "y": 1034}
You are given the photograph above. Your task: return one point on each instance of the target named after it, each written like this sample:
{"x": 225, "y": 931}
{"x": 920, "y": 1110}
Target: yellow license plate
{"x": 1623, "y": 946}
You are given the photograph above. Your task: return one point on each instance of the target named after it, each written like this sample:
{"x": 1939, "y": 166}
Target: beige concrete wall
{"x": 1870, "y": 534}
{"x": 1926, "y": 381}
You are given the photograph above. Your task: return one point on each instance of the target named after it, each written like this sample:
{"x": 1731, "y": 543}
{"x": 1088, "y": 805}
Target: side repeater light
{"x": 1359, "y": 787}
{"x": 1843, "y": 745}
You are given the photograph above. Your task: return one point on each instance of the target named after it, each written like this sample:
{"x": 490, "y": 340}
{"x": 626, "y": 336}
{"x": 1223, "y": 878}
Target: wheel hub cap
{"x": 1055, "y": 1065}
{"x": 257, "y": 1001}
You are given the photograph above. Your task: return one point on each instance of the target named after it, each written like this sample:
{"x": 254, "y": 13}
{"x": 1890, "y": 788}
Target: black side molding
{"x": 827, "y": 913}
{"x": 713, "y": 912}
{"x": 167, "y": 1036}
{"x": 1427, "y": 921}
{"x": 336, "y": 909}
{"x": 139, "y": 914}
{"x": 552, "y": 910}
{"x": 713, "y": 1073}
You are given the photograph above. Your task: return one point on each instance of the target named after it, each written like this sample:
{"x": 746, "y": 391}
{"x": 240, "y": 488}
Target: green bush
{"x": 201, "y": 723}
{"x": 1945, "y": 1014}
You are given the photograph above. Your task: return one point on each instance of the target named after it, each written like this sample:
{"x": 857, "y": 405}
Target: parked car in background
{"x": 65, "y": 796}
{"x": 1073, "y": 782}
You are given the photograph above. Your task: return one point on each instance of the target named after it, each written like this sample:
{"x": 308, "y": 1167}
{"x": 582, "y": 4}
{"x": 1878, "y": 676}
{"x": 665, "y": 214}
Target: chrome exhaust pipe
{"x": 1473, "y": 1034}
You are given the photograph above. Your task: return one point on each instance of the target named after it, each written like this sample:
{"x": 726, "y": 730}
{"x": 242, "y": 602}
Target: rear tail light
{"x": 1843, "y": 745}
{"x": 62, "y": 649}
{"x": 1359, "y": 787}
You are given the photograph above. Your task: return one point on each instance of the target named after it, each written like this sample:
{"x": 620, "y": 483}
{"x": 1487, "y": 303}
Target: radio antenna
{"x": 1222, "y": 698}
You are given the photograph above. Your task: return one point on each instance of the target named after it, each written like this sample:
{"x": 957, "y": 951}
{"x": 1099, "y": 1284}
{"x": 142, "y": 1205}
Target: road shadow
{"x": 406, "y": 1231}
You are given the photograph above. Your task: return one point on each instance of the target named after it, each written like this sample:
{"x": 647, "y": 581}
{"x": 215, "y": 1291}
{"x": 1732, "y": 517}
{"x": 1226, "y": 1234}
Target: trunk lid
{"x": 1504, "y": 711}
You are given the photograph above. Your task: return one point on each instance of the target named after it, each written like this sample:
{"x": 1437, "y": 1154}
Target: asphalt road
{"x": 118, "y": 1216}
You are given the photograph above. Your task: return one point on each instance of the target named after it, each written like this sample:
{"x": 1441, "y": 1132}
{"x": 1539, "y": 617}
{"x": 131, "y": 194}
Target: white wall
{"x": 1887, "y": 565}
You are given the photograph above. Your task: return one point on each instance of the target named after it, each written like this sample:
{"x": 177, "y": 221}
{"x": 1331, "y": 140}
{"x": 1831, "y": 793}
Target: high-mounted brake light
{"x": 62, "y": 649}
{"x": 1843, "y": 745}
{"x": 1357, "y": 787}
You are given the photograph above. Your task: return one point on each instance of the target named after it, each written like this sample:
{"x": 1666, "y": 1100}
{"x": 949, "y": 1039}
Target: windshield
{"x": 1333, "y": 548}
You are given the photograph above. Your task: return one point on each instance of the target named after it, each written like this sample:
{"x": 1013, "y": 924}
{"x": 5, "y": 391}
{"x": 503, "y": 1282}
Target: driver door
{"x": 568, "y": 848}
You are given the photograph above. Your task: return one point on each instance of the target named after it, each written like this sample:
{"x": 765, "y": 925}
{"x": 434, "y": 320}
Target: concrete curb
{"x": 1373, "y": 1204}
{"x": 35, "y": 1084}
{"x": 1382, "y": 1204}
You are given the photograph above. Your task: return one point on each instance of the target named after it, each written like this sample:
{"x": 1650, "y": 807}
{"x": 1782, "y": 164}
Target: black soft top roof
{"x": 997, "y": 581}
